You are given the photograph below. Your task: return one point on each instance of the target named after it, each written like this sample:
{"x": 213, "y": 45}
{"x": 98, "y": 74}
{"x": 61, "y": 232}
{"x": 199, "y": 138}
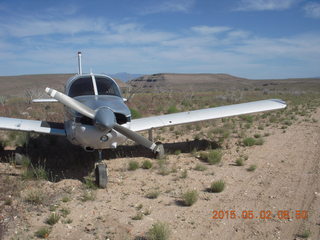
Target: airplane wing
{"x": 206, "y": 114}
{"x": 32, "y": 126}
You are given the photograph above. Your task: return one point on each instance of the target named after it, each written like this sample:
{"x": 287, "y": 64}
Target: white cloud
{"x": 312, "y": 9}
{"x": 35, "y": 27}
{"x": 114, "y": 47}
{"x": 262, "y": 5}
{"x": 206, "y": 30}
{"x": 168, "y": 6}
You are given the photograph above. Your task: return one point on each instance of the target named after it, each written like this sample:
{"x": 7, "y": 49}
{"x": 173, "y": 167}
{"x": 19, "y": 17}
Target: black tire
{"x": 101, "y": 175}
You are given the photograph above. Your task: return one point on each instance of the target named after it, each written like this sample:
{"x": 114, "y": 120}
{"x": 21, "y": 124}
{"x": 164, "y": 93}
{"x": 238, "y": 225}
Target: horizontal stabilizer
{"x": 32, "y": 126}
{"x": 206, "y": 114}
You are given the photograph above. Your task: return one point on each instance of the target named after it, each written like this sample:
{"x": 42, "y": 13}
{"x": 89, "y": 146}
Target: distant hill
{"x": 16, "y": 85}
{"x": 207, "y": 82}
{"x": 125, "y": 77}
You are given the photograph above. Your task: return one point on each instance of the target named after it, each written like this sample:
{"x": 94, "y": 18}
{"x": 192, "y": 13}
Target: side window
{"x": 82, "y": 86}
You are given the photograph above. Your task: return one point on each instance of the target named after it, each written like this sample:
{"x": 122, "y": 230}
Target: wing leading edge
{"x": 32, "y": 126}
{"x": 206, "y": 114}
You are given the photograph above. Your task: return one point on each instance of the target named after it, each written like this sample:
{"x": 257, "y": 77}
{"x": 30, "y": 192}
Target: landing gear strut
{"x": 101, "y": 172}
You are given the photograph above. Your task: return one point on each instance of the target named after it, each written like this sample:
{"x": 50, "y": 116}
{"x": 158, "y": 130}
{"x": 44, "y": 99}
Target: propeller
{"x": 103, "y": 117}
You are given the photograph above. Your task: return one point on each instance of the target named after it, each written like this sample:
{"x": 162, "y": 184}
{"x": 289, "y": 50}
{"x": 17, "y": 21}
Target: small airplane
{"x": 96, "y": 117}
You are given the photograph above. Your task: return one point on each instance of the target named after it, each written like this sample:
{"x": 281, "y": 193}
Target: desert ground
{"x": 271, "y": 185}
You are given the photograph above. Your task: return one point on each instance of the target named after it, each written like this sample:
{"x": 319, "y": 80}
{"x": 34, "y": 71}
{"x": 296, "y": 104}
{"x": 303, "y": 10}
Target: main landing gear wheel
{"x": 101, "y": 175}
{"x": 159, "y": 151}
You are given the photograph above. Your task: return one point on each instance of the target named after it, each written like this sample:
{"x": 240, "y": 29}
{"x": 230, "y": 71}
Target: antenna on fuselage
{"x": 79, "y": 64}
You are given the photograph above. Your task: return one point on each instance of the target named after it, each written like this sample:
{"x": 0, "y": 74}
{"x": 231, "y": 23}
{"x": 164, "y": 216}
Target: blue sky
{"x": 247, "y": 38}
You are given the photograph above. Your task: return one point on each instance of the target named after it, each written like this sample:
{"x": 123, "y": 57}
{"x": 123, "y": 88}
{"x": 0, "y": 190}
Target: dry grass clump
{"x": 239, "y": 162}
{"x": 43, "y": 232}
{"x": 53, "y": 218}
{"x": 212, "y": 157}
{"x": 133, "y": 165}
{"x": 217, "y": 186}
{"x": 147, "y": 164}
{"x": 158, "y": 231}
{"x": 252, "y": 168}
{"x": 189, "y": 197}
{"x": 153, "y": 194}
{"x": 34, "y": 197}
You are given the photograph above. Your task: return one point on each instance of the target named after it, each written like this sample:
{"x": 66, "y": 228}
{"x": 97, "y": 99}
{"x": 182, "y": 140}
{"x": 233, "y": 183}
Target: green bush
{"x": 133, "y": 165}
{"x": 153, "y": 194}
{"x": 189, "y": 197}
{"x": 252, "y": 168}
{"x": 217, "y": 186}
{"x": 146, "y": 164}
{"x": 172, "y": 109}
{"x": 53, "y": 219}
{"x": 249, "y": 141}
{"x": 158, "y": 231}
{"x": 43, "y": 232}
{"x": 239, "y": 162}
{"x": 214, "y": 157}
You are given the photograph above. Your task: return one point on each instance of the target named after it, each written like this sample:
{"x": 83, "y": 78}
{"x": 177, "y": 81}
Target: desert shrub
{"x": 259, "y": 141}
{"x": 189, "y": 197}
{"x": 249, "y": 141}
{"x": 133, "y": 165}
{"x": 138, "y": 216}
{"x": 43, "y": 232}
{"x": 53, "y": 218}
{"x": 257, "y": 135}
{"x": 214, "y": 157}
{"x": 172, "y": 109}
{"x": 88, "y": 196}
{"x": 34, "y": 197}
{"x": 200, "y": 167}
{"x": 252, "y": 168}
{"x": 304, "y": 234}
{"x": 153, "y": 194}
{"x": 239, "y": 162}
{"x": 147, "y": 164}
{"x": 65, "y": 212}
{"x": 89, "y": 183}
{"x": 135, "y": 113}
{"x": 34, "y": 172}
{"x": 158, "y": 231}
{"x": 217, "y": 186}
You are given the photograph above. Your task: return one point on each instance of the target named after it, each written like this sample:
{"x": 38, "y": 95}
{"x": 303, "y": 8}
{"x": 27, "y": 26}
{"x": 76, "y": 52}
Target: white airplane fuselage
{"x": 95, "y": 91}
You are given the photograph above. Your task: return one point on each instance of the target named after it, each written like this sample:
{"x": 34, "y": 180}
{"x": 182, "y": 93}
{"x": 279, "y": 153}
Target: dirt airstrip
{"x": 285, "y": 188}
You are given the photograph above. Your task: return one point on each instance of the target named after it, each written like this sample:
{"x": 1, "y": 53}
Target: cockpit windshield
{"x": 106, "y": 86}
{"x": 85, "y": 86}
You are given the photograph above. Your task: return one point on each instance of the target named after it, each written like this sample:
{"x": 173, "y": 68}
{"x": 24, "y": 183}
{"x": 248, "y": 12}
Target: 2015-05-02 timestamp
{"x": 262, "y": 214}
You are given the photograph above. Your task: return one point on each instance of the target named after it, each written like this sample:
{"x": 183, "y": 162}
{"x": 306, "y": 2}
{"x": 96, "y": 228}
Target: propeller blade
{"x": 71, "y": 103}
{"x": 136, "y": 137}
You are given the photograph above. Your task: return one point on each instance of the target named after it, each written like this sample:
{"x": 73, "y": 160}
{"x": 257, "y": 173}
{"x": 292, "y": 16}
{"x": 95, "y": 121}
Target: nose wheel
{"x": 101, "y": 172}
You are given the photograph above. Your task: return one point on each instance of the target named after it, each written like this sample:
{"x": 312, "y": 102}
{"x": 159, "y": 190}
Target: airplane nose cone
{"x": 105, "y": 118}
